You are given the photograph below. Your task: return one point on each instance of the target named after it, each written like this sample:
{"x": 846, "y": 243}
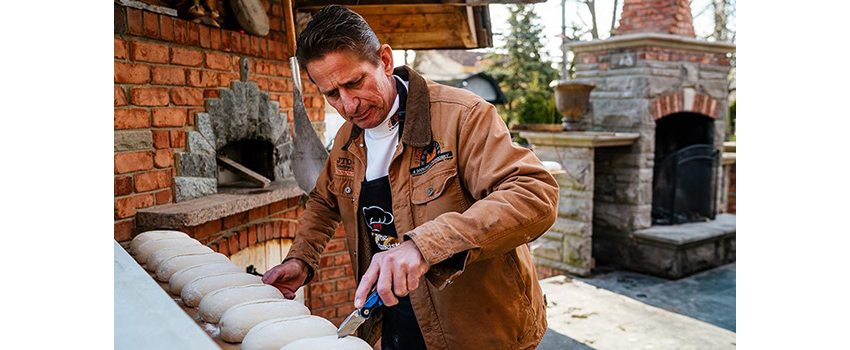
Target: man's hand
{"x": 287, "y": 277}
{"x": 397, "y": 271}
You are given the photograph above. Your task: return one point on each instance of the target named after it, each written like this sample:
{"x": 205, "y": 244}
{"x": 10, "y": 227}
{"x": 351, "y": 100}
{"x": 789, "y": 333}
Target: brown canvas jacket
{"x": 470, "y": 205}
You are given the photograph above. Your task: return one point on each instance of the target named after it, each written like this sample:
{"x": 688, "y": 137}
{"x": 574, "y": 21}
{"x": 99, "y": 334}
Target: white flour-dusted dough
{"x": 148, "y": 248}
{"x": 195, "y": 290}
{"x": 164, "y": 254}
{"x": 240, "y": 318}
{"x": 179, "y": 262}
{"x": 278, "y": 332}
{"x": 180, "y": 278}
{"x": 145, "y": 237}
{"x": 217, "y": 302}
{"x": 331, "y": 342}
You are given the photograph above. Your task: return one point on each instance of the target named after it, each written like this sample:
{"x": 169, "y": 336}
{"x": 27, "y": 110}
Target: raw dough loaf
{"x": 164, "y": 254}
{"x": 178, "y": 262}
{"x": 148, "y": 248}
{"x": 240, "y": 318}
{"x": 195, "y": 290}
{"x": 328, "y": 343}
{"x": 217, "y": 302}
{"x": 145, "y": 237}
{"x": 278, "y": 332}
{"x": 180, "y": 278}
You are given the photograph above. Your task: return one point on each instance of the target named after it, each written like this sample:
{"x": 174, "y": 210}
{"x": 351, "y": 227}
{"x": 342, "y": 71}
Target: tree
{"x": 522, "y": 72}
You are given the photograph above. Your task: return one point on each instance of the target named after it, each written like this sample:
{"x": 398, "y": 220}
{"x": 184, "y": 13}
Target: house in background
{"x": 459, "y": 68}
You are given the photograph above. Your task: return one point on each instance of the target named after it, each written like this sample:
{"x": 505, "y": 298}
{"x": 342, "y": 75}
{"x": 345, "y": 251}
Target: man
{"x": 436, "y": 201}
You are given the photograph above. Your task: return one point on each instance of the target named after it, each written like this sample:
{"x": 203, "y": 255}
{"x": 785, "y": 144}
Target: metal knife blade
{"x": 358, "y": 316}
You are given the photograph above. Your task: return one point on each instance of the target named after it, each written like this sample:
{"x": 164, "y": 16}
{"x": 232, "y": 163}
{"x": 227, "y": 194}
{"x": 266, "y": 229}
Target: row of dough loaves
{"x": 245, "y": 309}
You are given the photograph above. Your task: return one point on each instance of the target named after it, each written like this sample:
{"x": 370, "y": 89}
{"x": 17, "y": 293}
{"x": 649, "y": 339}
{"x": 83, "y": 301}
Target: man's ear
{"x": 386, "y": 55}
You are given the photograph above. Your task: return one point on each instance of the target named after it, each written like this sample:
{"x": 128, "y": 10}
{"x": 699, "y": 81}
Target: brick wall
{"x": 656, "y": 16}
{"x": 730, "y": 201}
{"x": 164, "y": 69}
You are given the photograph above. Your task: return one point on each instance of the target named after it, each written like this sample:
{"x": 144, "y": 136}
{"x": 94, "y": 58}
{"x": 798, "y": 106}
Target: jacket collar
{"x": 417, "y": 119}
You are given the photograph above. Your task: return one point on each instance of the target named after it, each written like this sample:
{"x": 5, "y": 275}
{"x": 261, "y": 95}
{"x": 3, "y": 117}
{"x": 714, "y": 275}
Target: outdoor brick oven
{"x": 188, "y": 92}
{"x": 657, "y": 202}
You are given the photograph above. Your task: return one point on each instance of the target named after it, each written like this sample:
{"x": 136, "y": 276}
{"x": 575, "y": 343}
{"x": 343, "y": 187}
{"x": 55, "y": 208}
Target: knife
{"x": 358, "y": 316}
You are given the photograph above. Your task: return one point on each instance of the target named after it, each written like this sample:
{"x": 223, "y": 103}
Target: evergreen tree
{"x": 522, "y": 72}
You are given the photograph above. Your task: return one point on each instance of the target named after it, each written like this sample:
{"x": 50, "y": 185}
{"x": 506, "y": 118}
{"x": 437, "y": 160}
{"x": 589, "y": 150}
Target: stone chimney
{"x": 656, "y": 16}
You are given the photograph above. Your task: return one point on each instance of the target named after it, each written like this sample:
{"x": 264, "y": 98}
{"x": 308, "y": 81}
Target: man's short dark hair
{"x": 335, "y": 28}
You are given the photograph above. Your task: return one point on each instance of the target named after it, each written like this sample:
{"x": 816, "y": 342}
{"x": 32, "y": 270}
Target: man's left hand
{"x": 397, "y": 272}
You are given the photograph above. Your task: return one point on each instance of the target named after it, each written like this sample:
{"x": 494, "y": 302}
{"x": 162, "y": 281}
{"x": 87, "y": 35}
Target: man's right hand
{"x": 287, "y": 277}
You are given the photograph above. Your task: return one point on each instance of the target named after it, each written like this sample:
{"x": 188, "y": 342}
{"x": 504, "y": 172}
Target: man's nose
{"x": 349, "y": 102}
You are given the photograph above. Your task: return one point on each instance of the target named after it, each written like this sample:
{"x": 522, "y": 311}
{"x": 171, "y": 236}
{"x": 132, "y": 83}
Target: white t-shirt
{"x": 381, "y": 142}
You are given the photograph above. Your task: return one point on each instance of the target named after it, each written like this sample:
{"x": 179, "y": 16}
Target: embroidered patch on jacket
{"x": 428, "y": 156}
{"x": 344, "y": 166}
{"x": 379, "y": 221}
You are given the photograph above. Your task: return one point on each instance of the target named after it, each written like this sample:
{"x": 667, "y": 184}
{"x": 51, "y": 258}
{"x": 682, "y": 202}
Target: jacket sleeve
{"x": 516, "y": 199}
{"x": 316, "y": 224}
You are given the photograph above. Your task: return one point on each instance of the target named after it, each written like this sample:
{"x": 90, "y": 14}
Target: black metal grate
{"x": 685, "y": 186}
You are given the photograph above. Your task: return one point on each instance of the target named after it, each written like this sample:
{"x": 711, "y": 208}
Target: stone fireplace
{"x": 657, "y": 203}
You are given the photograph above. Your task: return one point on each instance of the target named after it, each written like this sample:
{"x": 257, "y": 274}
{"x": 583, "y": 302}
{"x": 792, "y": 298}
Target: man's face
{"x": 360, "y": 91}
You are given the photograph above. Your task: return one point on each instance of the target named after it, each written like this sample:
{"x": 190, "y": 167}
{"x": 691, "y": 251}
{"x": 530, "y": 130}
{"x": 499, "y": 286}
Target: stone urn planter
{"x": 571, "y": 100}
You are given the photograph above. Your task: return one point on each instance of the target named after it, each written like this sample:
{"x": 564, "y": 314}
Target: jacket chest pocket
{"x": 345, "y": 193}
{"x": 435, "y": 194}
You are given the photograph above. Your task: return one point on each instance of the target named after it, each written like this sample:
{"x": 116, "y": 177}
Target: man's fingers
{"x": 412, "y": 281}
{"x": 400, "y": 282}
{"x": 289, "y": 296}
{"x": 272, "y": 275}
{"x": 385, "y": 287}
{"x": 366, "y": 284}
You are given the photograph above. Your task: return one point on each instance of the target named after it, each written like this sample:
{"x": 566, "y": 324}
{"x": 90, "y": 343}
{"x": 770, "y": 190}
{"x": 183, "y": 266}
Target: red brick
{"x": 120, "y": 48}
{"x": 226, "y": 39}
{"x": 180, "y": 31}
{"x": 166, "y": 28}
{"x": 178, "y": 138}
{"x": 326, "y": 261}
{"x": 217, "y": 61}
{"x": 344, "y": 310}
{"x": 163, "y": 197}
{"x": 316, "y": 302}
{"x": 194, "y": 37}
{"x": 245, "y": 43}
{"x": 161, "y": 139}
{"x": 255, "y": 46}
{"x": 163, "y": 75}
{"x": 123, "y": 185}
{"x": 130, "y": 162}
{"x": 126, "y": 207}
{"x": 346, "y": 283}
{"x": 165, "y": 117}
{"x": 215, "y": 38}
{"x": 205, "y": 36}
{"x": 233, "y": 243}
{"x": 334, "y": 298}
{"x": 134, "y": 21}
{"x": 321, "y": 288}
{"x": 258, "y": 213}
{"x": 120, "y": 97}
{"x": 148, "y": 52}
{"x": 203, "y": 78}
{"x": 207, "y": 229}
{"x": 149, "y": 96}
{"x": 187, "y": 96}
{"x": 235, "y": 220}
{"x": 132, "y": 118}
{"x": 124, "y": 230}
{"x": 243, "y": 239}
{"x": 279, "y": 85}
{"x": 163, "y": 158}
{"x": 252, "y": 236}
{"x": 130, "y": 73}
{"x": 333, "y": 273}
{"x": 186, "y": 57}
{"x": 152, "y": 181}
{"x": 222, "y": 248}
{"x": 151, "y": 25}
{"x": 211, "y": 93}
{"x": 341, "y": 259}
{"x": 224, "y": 79}
{"x": 278, "y": 206}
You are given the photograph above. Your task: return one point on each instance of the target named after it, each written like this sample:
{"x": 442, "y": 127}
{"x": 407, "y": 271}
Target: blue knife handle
{"x": 372, "y": 302}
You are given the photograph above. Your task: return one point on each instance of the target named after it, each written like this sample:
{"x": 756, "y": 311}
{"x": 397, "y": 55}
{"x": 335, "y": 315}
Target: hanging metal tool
{"x": 308, "y": 155}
